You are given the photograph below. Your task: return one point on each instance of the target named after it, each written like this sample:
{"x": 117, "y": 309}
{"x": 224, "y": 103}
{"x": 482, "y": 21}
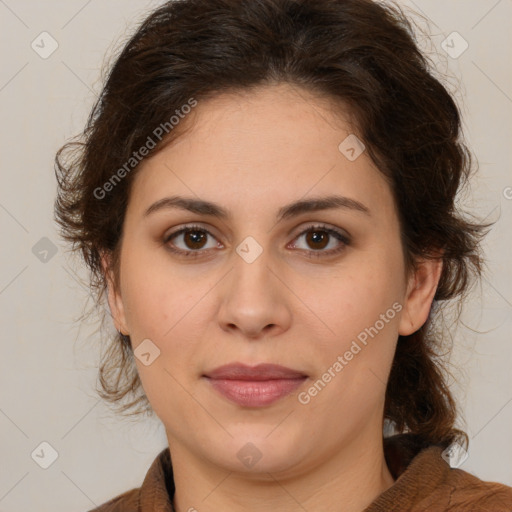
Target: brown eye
{"x": 193, "y": 241}
{"x": 317, "y": 238}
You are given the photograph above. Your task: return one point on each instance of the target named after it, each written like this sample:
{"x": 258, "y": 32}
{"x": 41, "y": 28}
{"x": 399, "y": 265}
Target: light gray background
{"x": 48, "y": 363}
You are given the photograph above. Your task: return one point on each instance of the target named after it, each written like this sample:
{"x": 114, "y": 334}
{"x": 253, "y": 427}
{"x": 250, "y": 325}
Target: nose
{"x": 254, "y": 299}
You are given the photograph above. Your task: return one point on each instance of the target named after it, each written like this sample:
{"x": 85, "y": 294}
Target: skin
{"x": 253, "y": 153}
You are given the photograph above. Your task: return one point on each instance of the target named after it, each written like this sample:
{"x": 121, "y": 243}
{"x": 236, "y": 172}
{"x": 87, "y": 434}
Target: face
{"x": 323, "y": 292}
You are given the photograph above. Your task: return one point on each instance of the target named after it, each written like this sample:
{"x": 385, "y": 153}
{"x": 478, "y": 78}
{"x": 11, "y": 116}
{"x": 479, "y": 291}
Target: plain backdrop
{"x": 48, "y": 362}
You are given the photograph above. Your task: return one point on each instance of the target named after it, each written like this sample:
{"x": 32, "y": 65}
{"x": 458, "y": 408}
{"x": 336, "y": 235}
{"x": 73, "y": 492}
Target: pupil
{"x": 319, "y": 236}
{"x": 196, "y": 237}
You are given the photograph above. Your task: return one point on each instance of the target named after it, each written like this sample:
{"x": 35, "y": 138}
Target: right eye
{"x": 194, "y": 238}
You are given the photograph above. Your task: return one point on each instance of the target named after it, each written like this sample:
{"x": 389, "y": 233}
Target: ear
{"x": 421, "y": 289}
{"x": 114, "y": 296}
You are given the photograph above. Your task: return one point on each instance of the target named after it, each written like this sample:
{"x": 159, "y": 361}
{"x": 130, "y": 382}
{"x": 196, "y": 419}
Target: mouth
{"x": 254, "y": 386}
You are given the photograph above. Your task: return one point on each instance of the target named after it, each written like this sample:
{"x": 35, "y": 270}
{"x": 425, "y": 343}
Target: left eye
{"x": 195, "y": 239}
{"x": 319, "y": 237}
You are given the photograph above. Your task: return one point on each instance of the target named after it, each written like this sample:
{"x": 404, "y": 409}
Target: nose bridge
{"x": 251, "y": 299}
{"x": 252, "y": 268}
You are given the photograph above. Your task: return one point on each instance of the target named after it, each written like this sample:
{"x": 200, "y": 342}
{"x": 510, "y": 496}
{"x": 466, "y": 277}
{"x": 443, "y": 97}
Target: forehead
{"x": 265, "y": 148}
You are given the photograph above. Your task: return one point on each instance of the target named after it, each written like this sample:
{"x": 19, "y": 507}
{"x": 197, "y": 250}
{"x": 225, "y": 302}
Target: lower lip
{"x": 255, "y": 393}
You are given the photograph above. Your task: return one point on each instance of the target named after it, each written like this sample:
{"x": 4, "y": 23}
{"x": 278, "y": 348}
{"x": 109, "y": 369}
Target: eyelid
{"x": 188, "y": 227}
{"x": 323, "y": 226}
{"x": 340, "y": 234}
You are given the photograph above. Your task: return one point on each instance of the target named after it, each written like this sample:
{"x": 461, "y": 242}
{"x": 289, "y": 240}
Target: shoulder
{"x": 455, "y": 490}
{"x": 126, "y": 502}
{"x": 424, "y": 481}
{"x": 467, "y": 492}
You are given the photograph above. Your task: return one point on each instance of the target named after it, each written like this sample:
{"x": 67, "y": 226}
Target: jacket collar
{"x": 157, "y": 490}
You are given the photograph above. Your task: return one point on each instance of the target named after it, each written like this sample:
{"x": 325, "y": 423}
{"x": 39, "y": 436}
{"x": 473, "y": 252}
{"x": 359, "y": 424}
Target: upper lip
{"x": 263, "y": 371}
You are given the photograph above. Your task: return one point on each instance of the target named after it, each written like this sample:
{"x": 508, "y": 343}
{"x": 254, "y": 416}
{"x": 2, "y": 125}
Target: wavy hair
{"x": 358, "y": 53}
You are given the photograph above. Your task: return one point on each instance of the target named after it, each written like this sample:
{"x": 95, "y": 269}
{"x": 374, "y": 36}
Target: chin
{"x": 257, "y": 452}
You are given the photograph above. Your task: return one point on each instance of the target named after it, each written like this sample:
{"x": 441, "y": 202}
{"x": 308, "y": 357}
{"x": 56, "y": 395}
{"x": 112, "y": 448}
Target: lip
{"x": 263, "y": 371}
{"x": 254, "y": 386}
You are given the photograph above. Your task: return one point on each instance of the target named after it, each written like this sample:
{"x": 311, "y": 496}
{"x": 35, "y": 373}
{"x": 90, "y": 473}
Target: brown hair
{"x": 354, "y": 52}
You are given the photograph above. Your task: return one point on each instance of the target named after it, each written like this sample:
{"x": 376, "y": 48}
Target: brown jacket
{"x": 424, "y": 483}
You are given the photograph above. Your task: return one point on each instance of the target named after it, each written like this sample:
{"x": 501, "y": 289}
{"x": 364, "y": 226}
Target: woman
{"x": 266, "y": 192}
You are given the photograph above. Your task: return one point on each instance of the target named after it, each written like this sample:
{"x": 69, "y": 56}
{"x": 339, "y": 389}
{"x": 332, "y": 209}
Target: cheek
{"x": 352, "y": 364}
{"x": 165, "y": 310}
{"x": 362, "y": 309}
{"x": 156, "y": 297}
{"x": 359, "y": 293}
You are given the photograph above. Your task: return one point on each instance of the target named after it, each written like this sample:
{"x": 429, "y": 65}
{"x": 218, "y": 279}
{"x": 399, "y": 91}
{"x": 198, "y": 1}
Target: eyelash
{"x": 313, "y": 254}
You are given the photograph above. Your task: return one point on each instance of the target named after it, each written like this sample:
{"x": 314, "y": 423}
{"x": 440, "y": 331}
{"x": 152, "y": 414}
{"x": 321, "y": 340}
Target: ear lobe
{"x": 114, "y": 298}
{"x": 421, "y": 290}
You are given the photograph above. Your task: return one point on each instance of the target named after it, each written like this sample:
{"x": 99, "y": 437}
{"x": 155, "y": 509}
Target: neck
{"x": 348, "y": 481}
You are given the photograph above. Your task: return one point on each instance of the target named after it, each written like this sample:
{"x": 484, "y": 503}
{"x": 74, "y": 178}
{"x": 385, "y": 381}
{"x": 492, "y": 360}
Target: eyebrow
{"x": 296, "y": 208}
